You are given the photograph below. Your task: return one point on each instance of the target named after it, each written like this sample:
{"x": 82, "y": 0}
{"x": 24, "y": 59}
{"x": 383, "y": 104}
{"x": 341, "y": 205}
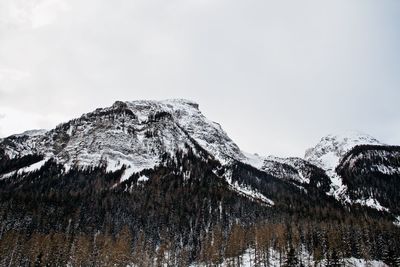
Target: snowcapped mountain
{"x": 328, "y": 153}
{"x": 138, "y": 135}
{"x": 132, "y": 134}
{"x": 355, "y": 164}
{"x": 352, "y": 167}
{"x": 176, "y": 181}
{"x": 330, "y": 149}
{"x": 130, "y": 137}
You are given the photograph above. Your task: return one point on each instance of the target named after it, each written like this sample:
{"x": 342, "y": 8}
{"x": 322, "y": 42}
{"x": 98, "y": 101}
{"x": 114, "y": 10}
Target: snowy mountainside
{"x": 371, "y": 174}
{"x": 128, "y": 137}
{"x": 328, "y": 153}
{"x": 135, "y": 134}
{"x": 296, "y": 171}
{"x": 362, "y": 170}
{"x": 331, "y": 148}
{"x": 354, "y": 168}
{"x": 138, "y": 135}
{"x": 298, "y": 165}
{"x": 283, "y": 168}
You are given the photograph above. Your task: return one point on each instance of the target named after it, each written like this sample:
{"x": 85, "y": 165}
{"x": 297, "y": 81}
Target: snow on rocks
{"x": 25, "y": 170}
{"x": 247, "y": 191}
{"x": 254, "y": 160}
{"x": 372, "y": 203}
{"x": 142, "y": 179}
{"x": 328, "y": 152}
{"x": 327, "y": 155}
{"x": 397, "y": 221}
{"x": 134, "y": 135}
{"x": 283, "y": 168}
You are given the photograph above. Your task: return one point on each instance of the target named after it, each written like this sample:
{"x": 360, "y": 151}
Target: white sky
{"x": 277, "y": 75}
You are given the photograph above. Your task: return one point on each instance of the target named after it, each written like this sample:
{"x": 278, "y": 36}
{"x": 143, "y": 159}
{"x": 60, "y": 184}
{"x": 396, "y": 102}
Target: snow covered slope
{"x": 296, "y": 171}
{"x": 330, "y": 149}
{"x": 357, "y": 164}
{"x": 135, "y": 134}
{"x": 328, "y": 153}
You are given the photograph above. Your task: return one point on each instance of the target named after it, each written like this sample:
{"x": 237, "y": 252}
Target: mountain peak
{"x": 350, "y": 138}
{"x": 133, "y": 133}
{"x": 175, "y": 102}
{"x": 331, "y": 148}
{"x": 31, "y": 133}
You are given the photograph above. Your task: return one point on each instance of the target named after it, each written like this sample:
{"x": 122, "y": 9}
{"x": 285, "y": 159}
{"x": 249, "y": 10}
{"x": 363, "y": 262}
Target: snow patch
{"x": 254, "y": 160}
{"x": 25, "y": 170}
{"x": 142, "y": 179}
{"x": 128, "y": 172}
{"x": 247, "y": 259}
{"x": 372, "y": 203}
{"x": 247, "y": 191}
{"x": 34, "y": 167}
{"x": 397, "y": 221}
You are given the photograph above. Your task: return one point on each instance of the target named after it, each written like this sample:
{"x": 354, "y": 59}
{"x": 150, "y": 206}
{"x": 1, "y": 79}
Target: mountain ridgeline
{"x": 155, "y": 183}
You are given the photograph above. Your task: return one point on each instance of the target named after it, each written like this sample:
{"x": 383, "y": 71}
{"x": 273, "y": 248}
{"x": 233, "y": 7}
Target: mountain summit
{"x": 327, "y": 153}
{"x": 132, "y": 134}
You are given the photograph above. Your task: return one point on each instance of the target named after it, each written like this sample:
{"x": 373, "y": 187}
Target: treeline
{"x": 326, "y": 242}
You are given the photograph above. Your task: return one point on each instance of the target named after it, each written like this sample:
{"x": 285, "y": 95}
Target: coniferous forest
{"x": 178, "y": 218}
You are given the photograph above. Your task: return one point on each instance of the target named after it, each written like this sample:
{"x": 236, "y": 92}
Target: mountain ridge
{"x": 156, "y": 181}
{"x": 135, "y": 135}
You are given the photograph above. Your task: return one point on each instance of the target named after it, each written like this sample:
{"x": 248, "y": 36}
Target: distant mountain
{"x": 333, "y": 162}
{"x": 161, "y": 177}
{"x": 339, "y": 155}
{"x": 330, "y": 150}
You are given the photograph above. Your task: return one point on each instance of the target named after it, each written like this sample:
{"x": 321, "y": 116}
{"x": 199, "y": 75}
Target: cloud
{"x": 14, "y": 121}
{"x": 2, "y": 116}
{"x": 20, "y": 14}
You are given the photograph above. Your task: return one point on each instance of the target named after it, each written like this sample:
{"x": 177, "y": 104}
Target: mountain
{"x": 158, "y": 181}
{"x": 342, "y": 155}
{"x": 135, "y": 133}
{"x": 353, "y": 167}
{"x": 329, "y": 151}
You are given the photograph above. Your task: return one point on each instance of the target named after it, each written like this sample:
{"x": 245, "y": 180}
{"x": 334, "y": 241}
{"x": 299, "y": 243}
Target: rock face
{"x": 328, "y": 152}
{"x": 135, "y": 134}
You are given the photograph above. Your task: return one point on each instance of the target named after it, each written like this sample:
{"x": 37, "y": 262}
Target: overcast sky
{"x": 277, "y": 75}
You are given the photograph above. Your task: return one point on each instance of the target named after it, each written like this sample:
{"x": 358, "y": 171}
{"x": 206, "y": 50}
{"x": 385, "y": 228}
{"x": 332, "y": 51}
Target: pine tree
{"x": 291, "y": 258}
